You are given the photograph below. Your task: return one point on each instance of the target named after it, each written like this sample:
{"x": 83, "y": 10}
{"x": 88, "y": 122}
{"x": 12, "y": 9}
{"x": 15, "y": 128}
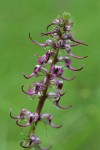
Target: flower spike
{"x": 49, "y": 69}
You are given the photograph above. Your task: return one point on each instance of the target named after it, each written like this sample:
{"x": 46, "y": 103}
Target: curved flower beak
{"x": 48, "y": 43}
{"x": 30, "y": 76}
{"x": 29, "y": 92}
{"x": 34, "y": 73}
{"x": 15, "y": 117}
{"x": 74, "y": 69}
{"x": 22, "y": 114}
{"x": 22, "y": 125}
{"x": 37, "y": 43}
{"x": 32, "y": 117}
{"x": 79, "y": 57}
{"x": 56, "y": 102}
{"x": 67, "y": 79}
{"x": 49, "y": 25}
{"x": 24, "y": 146}
{"x": 72, "y": 39}
{"x": 48, "y": 33}
{"x": 54, "y": 126}
{"x": 59, "y": 106}
{"x": 49, "y": 118}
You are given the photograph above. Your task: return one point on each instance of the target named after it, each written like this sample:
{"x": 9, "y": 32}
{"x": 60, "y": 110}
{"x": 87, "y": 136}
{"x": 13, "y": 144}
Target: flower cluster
{"x": 58, "y": 57}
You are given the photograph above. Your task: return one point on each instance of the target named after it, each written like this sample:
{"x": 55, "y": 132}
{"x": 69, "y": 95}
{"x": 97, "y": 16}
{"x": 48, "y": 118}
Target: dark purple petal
{"x": 57, "y": 70}
{"x": 37, "y": 69}
{"x": 52, "y": 68}
{"x": 43, "y": 45}
{"x": 45, "y": 58}
{"x": 52, "y": 76}
{"x": 40, "y": 61}
{"x": 59, "y": 84}
{"x": 60, "y": 71}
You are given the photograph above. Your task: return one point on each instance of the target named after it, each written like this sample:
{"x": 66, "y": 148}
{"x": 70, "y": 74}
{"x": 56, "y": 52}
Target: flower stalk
{"x": 60, "y": 39}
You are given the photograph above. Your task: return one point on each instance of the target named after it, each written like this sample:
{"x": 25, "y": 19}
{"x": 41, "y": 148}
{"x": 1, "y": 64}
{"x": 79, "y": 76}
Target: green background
{"x": 81, "y": 129}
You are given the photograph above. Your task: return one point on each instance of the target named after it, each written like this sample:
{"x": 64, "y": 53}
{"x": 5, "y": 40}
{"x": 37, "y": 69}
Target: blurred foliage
{"x": 82, "y": 123}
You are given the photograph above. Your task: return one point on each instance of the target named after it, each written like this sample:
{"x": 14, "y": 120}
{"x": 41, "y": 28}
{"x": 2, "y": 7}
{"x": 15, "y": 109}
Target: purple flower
{"x": 47, "y": 43}
{"x": 33, "y": 141}
{"x": 68, "y": 63}
{"x": 57, "y": 71}
{"x": 61, "y": 39}
{"x": 70, "y": 36}
{"x": 38, "y": 88}
{"x": 57, "y": 98}
{"x": 48, "y": 118}
{"x": 45, "y": 58}
{"x": 59, "y": 22}
{"x": 67, "y": 46}
{"x": 56, "y": 33}
{"x": 59, "y": 85}
{"x": 35, "y": 72}
{"x": 25, "y": 115}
